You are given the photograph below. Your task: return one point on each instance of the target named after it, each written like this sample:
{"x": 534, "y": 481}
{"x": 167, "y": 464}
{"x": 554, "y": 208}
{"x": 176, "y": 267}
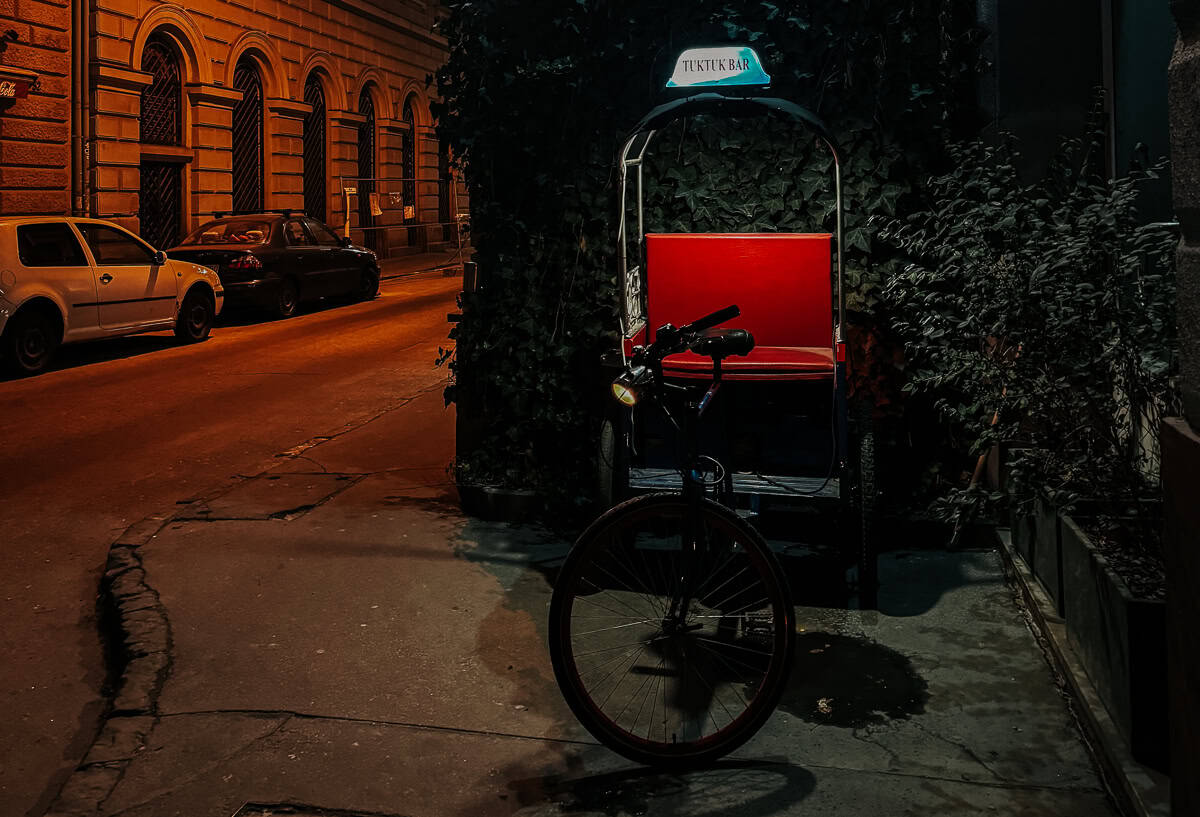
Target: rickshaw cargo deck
{"x": 667, "y": 479}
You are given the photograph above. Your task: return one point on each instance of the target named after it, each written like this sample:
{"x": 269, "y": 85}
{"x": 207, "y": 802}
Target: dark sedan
{"x": 278, "y": 260}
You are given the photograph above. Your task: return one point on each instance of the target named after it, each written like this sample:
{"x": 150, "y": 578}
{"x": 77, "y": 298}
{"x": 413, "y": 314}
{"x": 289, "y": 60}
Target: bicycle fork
{"x": 693, "y": 543}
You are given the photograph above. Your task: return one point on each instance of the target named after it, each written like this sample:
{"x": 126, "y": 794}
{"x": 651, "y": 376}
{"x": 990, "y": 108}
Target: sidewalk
{"x": 333, "y": 636}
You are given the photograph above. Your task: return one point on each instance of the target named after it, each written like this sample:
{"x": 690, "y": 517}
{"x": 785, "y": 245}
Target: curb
{"x": 144, "y": 655}
{"x": 450, "y": 267}
{"x": 142, "y": 640}
{"x": 1132, "y": 787}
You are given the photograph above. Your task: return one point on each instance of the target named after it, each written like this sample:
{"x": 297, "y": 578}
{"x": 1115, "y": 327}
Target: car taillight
{"x": 244, "y": 262}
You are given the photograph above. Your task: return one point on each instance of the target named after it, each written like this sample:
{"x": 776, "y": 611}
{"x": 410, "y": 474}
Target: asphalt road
{"x": 125, "y": 428}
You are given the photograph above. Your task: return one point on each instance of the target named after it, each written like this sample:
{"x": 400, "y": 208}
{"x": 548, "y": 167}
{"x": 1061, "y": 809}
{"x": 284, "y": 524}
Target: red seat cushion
{"x": 781, "y": 281}
{"x": 763, "y": 363}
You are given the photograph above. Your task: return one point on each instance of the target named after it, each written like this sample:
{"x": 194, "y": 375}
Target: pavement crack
{"x": 457, "y": 730}
{"x": 196, "y": 772}
{"x": 966, "y": 750}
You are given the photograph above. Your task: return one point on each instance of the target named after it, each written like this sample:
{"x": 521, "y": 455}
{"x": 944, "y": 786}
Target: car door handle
{"x": 105, "y": 278}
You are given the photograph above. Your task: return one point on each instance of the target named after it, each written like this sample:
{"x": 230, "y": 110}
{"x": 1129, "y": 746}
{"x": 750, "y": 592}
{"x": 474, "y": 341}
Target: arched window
{"x": 160, "y": 192}
{"x": 366, "y": 166}
{"x": 408, "y": 154}
{"x": 248, "y": 137}
{"x": 314, "y": 149}
{"x": 159, "y": 123}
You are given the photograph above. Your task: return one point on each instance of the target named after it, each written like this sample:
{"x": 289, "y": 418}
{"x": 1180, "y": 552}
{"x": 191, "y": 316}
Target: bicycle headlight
{"x": 625, "y": 387}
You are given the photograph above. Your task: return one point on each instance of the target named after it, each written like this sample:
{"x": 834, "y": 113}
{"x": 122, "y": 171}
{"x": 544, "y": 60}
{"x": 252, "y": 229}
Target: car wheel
{"x": 28, "y": 344}
{"x": 368, "y": 284}
{"x": 288, "y": 299}
{"x": 195, "y": 318}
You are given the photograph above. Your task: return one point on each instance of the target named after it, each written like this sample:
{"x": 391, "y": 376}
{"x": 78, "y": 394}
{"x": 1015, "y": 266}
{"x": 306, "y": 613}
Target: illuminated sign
{"x": 718, "y": 67}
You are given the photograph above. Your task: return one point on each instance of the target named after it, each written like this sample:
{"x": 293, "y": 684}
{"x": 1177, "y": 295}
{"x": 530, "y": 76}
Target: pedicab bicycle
{"x": 671, "y": 625}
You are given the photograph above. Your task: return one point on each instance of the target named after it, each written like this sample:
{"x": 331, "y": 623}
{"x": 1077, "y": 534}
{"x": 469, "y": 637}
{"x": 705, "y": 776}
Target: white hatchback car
{"x": 64, "y": 280}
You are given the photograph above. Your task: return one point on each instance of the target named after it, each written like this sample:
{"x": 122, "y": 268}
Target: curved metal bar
{"x": 729, "y": 106}
{"x": 734, "y": 106}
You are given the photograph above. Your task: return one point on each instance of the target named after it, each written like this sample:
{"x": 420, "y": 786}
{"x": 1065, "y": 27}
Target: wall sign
{"x": 13, "y": 89}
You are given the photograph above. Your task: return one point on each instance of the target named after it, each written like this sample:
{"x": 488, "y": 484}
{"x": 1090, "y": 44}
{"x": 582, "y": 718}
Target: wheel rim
{"x": 652, "y": 682}
{"x": 368, "y": 284}
{"x": 32, "y": 346}
{"x": 197, "y": 319}
{"x": 287, "y": 298}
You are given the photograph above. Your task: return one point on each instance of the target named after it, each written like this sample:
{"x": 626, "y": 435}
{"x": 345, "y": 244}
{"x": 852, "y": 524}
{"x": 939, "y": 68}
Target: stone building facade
{"x": 158, "y": 115}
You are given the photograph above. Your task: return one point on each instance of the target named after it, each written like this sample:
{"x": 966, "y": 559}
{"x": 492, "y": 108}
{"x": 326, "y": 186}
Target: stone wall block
{"x": 35, "y": 202}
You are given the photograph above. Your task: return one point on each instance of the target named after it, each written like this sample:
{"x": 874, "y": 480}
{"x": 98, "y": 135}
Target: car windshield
{"x": 233, "y": 231}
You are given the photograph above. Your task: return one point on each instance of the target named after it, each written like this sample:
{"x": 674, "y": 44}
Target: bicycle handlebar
{"x": 709, "y": 321}
{"x": 669, "y": 339}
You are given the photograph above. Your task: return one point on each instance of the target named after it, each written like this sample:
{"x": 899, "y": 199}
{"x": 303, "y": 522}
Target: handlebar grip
{"x": 709, "y": 321}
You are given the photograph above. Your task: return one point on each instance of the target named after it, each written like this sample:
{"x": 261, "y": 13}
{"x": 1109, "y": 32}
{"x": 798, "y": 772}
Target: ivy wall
{"x": 538, "y": 96}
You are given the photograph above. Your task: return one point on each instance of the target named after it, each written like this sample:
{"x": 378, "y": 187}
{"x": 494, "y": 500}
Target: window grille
{"x": 315, "y": 195}
{"x": 248, "y": 138}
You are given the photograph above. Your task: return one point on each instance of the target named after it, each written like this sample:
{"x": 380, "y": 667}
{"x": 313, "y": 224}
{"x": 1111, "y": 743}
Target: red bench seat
{"x": 780, "y": 281}
{"x": 763, "y": 362}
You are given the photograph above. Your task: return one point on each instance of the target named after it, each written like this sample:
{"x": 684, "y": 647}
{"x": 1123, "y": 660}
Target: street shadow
{"x": 747, "y": 788}
{"x": 851, "y": 682}
{"x": 74, "y": 355}
{"x": 246, "y": 315}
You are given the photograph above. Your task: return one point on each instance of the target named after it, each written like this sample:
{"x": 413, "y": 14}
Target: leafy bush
{"x": 1040, "y": 313}
{"x": 537, "y": 98}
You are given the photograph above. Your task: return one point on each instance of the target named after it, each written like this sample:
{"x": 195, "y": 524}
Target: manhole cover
{"x": 296, "y": 810}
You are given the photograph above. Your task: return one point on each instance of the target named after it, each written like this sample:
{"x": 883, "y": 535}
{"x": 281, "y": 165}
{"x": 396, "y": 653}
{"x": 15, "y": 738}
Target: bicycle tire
{"x": 739, "y": 636}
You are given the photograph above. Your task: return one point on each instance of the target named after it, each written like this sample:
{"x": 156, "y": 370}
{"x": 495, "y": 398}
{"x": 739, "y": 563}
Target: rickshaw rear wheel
{"x": 868, "y": 510}
{"x": 612, "y": 463}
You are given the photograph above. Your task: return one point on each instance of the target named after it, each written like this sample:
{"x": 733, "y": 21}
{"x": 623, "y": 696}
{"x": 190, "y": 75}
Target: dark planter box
{"x": 1121, "y": 641}
{"x": 494, "y": 504}
{"x": 1021, "y": 530}
{"x": 1036, "y": 537}
{"x": 1047, "y": 551}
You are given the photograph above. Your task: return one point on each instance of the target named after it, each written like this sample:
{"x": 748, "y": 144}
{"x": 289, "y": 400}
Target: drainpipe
{"x": 81, "y": 107}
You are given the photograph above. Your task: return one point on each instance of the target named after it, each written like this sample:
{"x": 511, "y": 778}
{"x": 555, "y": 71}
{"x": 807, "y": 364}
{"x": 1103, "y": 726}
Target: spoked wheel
{"x": 668, "y": 653}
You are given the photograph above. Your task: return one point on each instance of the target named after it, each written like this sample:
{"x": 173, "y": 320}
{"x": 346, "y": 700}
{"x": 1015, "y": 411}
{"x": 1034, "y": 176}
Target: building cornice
{"x": 346, "y": 119}
{"x": 289, "y": 108}
{"x": 217, "y": 95}
{"x": 107, "y": 75}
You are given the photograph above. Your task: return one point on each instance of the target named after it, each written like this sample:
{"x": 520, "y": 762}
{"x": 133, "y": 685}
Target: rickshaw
{"x": 671, "y": 599}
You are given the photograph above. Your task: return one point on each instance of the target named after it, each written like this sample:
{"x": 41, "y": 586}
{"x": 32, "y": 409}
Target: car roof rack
{"x": 286, "y": 212}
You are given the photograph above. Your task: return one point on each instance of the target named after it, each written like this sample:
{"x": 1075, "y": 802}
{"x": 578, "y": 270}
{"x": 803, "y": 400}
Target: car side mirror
{"x": 345, "y": 241}
{"x": 160, "y": 258}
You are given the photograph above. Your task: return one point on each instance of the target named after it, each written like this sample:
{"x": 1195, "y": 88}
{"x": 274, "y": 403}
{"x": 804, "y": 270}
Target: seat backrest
{"x": 781, "y": 282}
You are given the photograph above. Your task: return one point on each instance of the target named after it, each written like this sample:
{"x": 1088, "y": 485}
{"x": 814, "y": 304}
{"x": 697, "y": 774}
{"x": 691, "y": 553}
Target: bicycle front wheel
{"x": 671, "y": 642}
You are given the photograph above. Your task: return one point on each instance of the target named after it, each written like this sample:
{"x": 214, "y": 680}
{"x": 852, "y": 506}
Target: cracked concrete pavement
{"x": 334, "y": 634}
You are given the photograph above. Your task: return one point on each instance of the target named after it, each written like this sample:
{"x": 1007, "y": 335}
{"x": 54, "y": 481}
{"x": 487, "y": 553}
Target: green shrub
{"x": 1040, "y": 314}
